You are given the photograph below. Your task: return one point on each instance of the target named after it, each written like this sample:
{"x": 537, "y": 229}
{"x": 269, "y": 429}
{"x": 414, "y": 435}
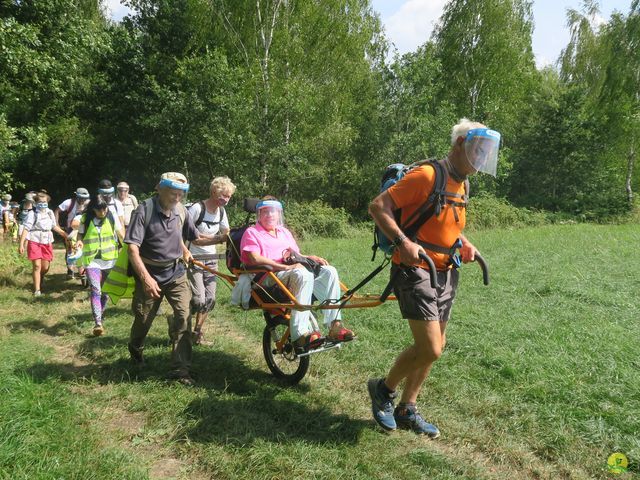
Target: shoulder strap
{"x": 203, "y": 211}
{"x": 112, "y": 220}
{"x": 433, "y": 203}
{"x": 148, "y": 211}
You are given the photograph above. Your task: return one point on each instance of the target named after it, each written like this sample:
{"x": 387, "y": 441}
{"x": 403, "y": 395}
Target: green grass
{"x": 539, "y": 378}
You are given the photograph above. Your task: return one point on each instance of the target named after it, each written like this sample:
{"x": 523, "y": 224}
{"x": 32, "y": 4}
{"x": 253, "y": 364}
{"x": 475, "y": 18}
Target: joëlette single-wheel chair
{"x": 285, "y": 361}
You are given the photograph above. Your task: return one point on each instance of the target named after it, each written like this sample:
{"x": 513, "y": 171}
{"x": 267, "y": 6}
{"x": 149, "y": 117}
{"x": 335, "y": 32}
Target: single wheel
{"x": 285, "y": 364}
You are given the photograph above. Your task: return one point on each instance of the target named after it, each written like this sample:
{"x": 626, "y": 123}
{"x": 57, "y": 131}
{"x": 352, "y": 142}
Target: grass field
{"x": 540, "y": 378}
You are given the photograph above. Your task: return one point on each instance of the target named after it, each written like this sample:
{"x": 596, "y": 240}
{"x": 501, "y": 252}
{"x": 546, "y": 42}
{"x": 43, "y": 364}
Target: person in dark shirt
{"x": 157, "y": 253}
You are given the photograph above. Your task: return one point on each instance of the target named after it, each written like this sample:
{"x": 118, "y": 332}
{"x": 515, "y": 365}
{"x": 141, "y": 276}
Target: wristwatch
{"x": 399, "y": 239}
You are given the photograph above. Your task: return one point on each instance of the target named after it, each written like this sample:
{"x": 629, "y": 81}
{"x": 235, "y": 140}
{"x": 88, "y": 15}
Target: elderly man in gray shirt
{"x": 156, "y": 250}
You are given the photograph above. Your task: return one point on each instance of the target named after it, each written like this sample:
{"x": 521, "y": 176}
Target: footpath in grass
{"x": 539, "y": 378}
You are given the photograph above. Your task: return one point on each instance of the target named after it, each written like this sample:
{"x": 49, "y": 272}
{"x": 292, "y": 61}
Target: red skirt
{"x": 39, "y": 251}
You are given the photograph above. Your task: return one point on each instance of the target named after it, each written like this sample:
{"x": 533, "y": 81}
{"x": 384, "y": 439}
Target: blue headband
{"x": 165, "y": 182}
{"x": 105, "y": 191}
{"x": 269, "y": 203}
{"x": 484, "y": 132}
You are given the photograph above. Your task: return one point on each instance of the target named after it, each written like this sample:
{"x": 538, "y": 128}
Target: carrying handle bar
{"x": 433, "y": 277}
{"x": 483, "y": 265}
{"x": 433, "y": 274}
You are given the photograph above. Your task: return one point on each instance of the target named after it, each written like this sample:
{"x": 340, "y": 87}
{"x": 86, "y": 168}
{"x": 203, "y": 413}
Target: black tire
{"x": 286, "y": 366}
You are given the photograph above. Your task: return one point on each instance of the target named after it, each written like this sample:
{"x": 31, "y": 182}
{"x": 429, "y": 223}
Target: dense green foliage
{"x": 297, "y": 99}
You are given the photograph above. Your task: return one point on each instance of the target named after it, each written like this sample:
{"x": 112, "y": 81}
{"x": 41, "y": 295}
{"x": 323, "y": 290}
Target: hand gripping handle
{"x": 432, "y": 269}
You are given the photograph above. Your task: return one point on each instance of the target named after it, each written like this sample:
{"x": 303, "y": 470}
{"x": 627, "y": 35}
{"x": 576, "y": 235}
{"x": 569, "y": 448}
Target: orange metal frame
{"x": 353, "y": 301}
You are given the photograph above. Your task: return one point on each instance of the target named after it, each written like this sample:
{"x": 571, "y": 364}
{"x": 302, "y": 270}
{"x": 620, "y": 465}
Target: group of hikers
{"x": 161, "y": 237}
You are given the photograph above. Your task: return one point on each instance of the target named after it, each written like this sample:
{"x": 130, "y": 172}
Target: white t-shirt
{"x": 70, "y": 206}
{"x": 211, "y": 225}
{"x": 99, "y": 262}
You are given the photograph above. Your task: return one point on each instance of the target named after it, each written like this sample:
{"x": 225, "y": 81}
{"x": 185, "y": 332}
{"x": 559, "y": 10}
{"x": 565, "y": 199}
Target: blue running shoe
{"x": 381, "y": 404}
{"x": 412, "y": 420}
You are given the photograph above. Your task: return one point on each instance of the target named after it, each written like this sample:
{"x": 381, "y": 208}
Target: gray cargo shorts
{"x": 418, "y": 300}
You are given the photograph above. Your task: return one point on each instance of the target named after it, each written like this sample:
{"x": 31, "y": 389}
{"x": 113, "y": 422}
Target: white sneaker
{"x": 37, "y": 293}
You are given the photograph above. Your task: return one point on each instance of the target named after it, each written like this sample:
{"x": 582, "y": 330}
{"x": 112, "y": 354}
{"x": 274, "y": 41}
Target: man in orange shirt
{"x": 474, "y": 148}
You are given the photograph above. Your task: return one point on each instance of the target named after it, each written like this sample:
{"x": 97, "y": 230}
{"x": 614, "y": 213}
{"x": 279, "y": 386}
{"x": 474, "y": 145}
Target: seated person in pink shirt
{"x": 267, "y": 243}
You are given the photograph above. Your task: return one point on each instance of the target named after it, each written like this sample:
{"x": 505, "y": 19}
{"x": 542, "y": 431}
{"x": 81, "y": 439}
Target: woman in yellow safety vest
{"x": 98, "y": 236}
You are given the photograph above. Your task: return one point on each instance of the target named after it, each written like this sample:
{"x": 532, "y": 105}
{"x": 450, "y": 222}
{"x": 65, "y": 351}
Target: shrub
{"x": 487, "y": 211}
{"x": 316, "y": 219}
{"x": 12, "y": 265}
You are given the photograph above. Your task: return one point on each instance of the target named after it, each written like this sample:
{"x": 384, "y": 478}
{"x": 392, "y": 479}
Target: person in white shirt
{"x": 105, "y": 188}
{"x": 71, "y": 207}
{"x": 210, "y": 218}
{"x": 38, "y": 237}
{"x": 129, "y": 202}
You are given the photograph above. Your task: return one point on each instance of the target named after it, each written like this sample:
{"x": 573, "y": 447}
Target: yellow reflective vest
{"x": 103, "y": 241}
{"x": 118, "y": 284}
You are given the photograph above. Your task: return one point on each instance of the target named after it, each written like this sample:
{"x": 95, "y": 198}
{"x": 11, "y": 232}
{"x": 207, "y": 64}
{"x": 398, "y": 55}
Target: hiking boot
{"x": 98, "y": 330}
{"x": 382, "y": 403}
{"x": 70, "y": 274}
{"x": 136, "y": 354}
{"x": 408, "y": 418}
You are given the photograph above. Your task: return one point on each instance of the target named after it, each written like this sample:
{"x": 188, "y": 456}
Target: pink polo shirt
{"x": 256, "y": 239}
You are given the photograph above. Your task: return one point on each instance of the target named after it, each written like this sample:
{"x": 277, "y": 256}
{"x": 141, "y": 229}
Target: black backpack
{"x": 203, "y": 211}
{"x": 435, "y": 201}
{"x": 234, "y": 237}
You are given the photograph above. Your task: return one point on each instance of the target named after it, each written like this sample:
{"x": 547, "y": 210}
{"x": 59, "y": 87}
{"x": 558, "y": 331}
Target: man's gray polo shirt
{"x": 160, "y": 242}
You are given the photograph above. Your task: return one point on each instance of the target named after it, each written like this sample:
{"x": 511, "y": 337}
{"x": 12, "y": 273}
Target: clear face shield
{"x": 481, "y": 148}
{"x": 269, "y": 214}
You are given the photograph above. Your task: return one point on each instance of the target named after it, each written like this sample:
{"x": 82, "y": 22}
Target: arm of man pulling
{"x": 186, "y": 254}
{"x": 151, "y": 287}
{"x": 205, "y": 240}
{"x": 468, "y": 250}
{"x": 257, "y": 260}
{"x": 381, "y": 210}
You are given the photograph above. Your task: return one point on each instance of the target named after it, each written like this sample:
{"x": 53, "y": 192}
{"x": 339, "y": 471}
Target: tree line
{"x": 297, "y": 98}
